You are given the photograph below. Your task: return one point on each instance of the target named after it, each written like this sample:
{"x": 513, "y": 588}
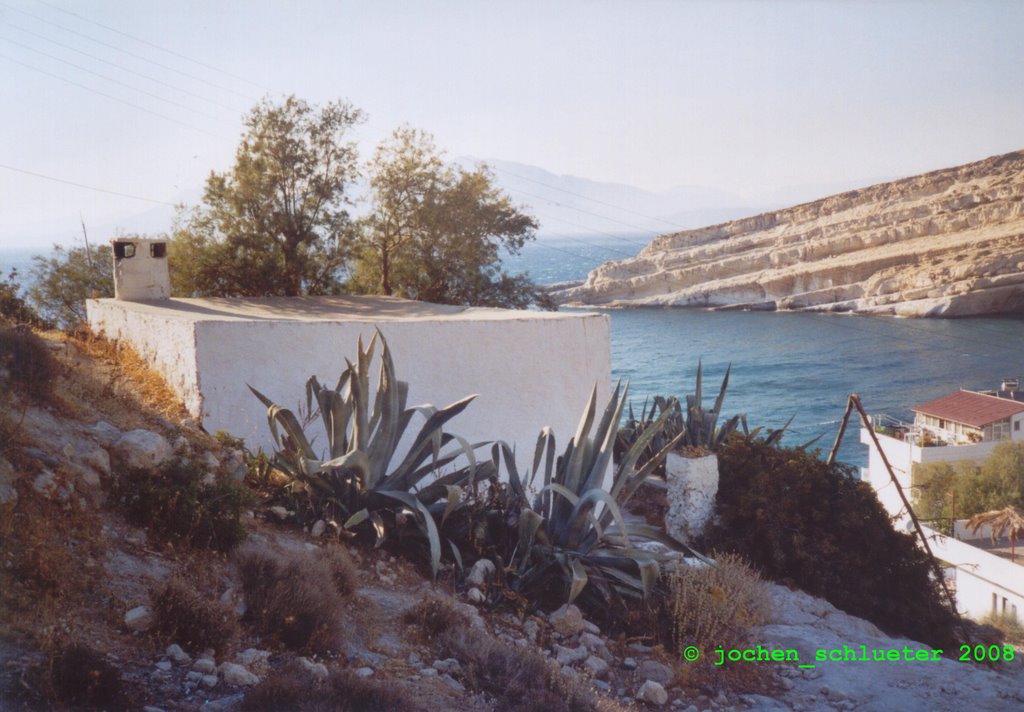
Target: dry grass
{"x": 715, "y": 606}
{"x": 186, "y": 617}
{"x": 130, "y": 377}
{"x": 295, "y": 597}
{"x": 43, "y": 546}
{"x": 341, "y": 692}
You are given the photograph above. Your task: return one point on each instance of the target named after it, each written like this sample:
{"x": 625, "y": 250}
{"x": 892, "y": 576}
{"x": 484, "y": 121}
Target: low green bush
{"x": 175, "y": 504}
{"x": 812, "y": 525}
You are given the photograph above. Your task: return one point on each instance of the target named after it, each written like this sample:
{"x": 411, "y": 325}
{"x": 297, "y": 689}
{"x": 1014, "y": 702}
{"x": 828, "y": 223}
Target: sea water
{"x": 791, "y": 365}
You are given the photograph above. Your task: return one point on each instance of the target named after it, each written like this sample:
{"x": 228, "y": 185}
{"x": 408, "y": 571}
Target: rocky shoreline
{"x": 949, "y": 243}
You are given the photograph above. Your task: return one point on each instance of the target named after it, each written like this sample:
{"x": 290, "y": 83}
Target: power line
{"x": 586, "y": 212}
{"x": 87, "y": 187}
{"x": 154, "y": 46}
{"x": 129, "y": 53}
{"x": 111, "y": 97}
{"x": 115, "y": 81}
{"x": 124, "y": 68}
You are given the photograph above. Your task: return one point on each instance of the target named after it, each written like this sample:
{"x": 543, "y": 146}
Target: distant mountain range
{"x": 570, "y": 205}
{"x": 565, "y": 205}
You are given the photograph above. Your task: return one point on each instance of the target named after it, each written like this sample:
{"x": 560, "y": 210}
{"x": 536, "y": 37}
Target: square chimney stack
{"x": 140, "y": 269}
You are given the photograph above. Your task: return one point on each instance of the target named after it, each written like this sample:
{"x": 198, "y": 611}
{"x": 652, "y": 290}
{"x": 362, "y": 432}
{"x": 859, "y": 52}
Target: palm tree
{"x": 1004, "y": 522}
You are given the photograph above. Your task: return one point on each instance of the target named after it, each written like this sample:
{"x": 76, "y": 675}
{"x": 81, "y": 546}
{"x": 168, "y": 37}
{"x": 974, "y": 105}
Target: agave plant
{"x": 360, "y": 472}
{"x": 702, "y": 429}
{"x": 574, "y": 535}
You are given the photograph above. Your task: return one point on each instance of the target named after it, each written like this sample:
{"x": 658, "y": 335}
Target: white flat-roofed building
{"x": 964, "y": 426}
{"x": 529, "y": 369}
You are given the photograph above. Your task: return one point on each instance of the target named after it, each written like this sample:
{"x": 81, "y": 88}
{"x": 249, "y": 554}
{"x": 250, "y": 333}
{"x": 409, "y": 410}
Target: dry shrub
{"x": 186, "y": 617}
{"x": 343, "y": 570}
{"x": 519, "y": 680}
{"x": 342, "y": 691}
{"x": 715, "y": 606}
{"x": 433, "y": 616}
{"x": 81, "y": 676}
{"x": 148, "y": 387}
{"x": 174, "y": 504}
{"x": 1008, "y": 625}
{"x": 294, "y": 597}
{"x": 26, "y": 363}
{"x": 43, "y": 545}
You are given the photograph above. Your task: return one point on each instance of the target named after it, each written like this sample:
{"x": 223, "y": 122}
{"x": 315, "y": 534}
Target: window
{"x": 1016, "y": 426}
{"x": 158, "y": 249}
{"x": 124, "y": 250}
{"x": 995, "y": 602}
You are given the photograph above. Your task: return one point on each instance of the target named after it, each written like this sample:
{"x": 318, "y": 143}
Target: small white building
{"x": 529, "y": 369}
{"x": 964, "y": 426}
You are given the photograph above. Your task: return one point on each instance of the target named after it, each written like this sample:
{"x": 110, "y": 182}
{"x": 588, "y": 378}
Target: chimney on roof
{"x": 140, "y": 269}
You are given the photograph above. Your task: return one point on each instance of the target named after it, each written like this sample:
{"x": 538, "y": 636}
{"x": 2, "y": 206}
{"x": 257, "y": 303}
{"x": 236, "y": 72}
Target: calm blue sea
{"x": 792, "y": 365}
{"x": 783, "y": 365}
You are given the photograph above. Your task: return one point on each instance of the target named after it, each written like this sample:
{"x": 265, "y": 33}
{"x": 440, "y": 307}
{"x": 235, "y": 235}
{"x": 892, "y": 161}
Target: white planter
{"x": 692, "y": 487}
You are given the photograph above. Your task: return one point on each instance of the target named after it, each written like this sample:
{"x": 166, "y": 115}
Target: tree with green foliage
{"x": 435, "y": 232}
{"x": 67, "y": 277}
{"x": 14, "y": 309}
{"x": 813, "y": 525}
{"x": 944, "y": 491}
{"x": 277, "y": 223}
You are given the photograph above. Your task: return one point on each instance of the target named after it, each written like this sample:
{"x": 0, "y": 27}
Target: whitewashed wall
{"x": 530, "y": 369}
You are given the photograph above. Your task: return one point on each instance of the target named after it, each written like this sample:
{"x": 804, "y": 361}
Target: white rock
{"x": 629, "y": 663}
{"x": 481, "y": 572}
{"x": 209, "y": 681}
{"x": 448, "y": 665}
{"x": 105, "y": 433}
{"x": 45, "y": 483}
{"x": 658, "y": 672}
{"x": 475, "y": 595}
{"x": 653, "y": 693}
{"x": 568, "y": 656}
{"x": 256, "y": 660}
{"x": 692, "y": 487}
{"x": 139, "y": 619}
{"x": 205, "y": 666}
{"x": 318, "y": 528}
{"x": 567, "y": 620}
{"x": 598, "y": 668}
{"x": 176, "y": 654}
{"x": 235, "y": 674}
{"x": 142, "y": 449}
{"x": 366, "y": 672}
{"x": 164, "y": 665}
{"x": 317, "y": 670}
{"x": 280, "y": 512}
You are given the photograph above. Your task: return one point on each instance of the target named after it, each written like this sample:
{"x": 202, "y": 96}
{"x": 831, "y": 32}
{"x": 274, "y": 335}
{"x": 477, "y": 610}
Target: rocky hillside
{"x": 947, "y": 243}
{"x": 102, "y": 609}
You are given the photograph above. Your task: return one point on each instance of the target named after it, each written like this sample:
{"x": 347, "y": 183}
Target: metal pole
{"x": 855, "y": 400}
{"x": 842, "y": 429}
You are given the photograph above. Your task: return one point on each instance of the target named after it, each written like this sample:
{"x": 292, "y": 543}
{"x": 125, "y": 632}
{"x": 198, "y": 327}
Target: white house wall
{"x": 529, "y": 369}
{"x": 980, "y": 574}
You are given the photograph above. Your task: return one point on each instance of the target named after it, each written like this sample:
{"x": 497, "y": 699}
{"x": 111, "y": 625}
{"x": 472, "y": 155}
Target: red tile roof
{"x": 970, "y": 408}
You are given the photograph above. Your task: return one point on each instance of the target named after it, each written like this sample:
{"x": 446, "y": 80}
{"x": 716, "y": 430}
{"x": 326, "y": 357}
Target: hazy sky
{"x": 748, "y": 97}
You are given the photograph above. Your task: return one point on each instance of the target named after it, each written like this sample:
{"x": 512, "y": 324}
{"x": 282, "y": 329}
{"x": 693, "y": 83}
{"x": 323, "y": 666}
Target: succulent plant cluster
{"x": 557, "y": 531}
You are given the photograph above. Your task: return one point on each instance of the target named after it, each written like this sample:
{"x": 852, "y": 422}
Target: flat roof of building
{"x": 313, "y": 309}
{"x": 970, "y": 408}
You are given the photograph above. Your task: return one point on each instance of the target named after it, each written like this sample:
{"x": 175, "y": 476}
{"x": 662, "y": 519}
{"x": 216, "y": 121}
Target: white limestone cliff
{"x": 947, "y": 243}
